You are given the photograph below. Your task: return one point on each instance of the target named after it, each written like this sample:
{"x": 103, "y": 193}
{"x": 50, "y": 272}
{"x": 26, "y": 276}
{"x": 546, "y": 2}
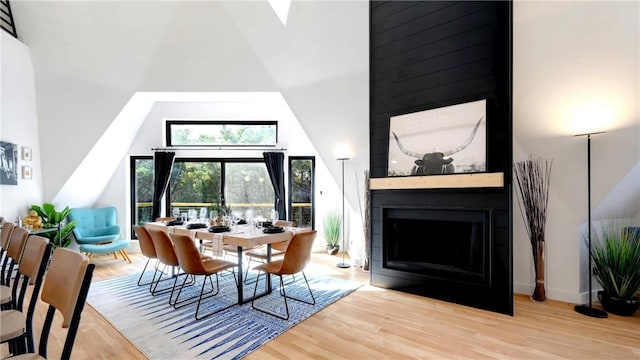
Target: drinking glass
{"x": 274, "y": 216}
{"x": 203, "y": 214}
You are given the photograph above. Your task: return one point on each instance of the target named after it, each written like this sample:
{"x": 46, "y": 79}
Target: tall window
{"x": 194, "y": 184}
{"x": 141, "y": 190}
{"x": 301, "y": 190}
{"x": 221, "y": 133}
{"x": 241, "y": 184}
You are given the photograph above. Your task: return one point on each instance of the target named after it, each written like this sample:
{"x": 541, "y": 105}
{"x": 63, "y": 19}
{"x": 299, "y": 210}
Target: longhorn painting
{"x": 445, "y": 140}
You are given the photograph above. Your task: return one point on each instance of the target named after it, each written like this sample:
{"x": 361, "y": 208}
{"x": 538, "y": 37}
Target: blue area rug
{"x": 162, "y": 332}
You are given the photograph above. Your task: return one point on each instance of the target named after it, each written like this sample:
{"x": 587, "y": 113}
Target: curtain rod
{"x": 200, "y": 148}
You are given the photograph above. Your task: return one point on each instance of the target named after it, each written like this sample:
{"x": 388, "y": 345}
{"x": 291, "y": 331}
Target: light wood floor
{"x": 374, "y": 323}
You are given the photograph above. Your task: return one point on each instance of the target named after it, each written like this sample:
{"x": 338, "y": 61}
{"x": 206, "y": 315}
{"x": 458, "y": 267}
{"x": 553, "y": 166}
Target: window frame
{"x": 313, "y": 187}
{"x": 132, "y": 189}
{"x": 169, "y": 123}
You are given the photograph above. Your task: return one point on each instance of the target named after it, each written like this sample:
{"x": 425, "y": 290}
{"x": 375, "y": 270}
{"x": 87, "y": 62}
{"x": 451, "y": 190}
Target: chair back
{"x": 93, "y": 222}
{"x": 146, "y": 243}
{"x": 32, "y": 256}
{"x": 164, "y": 247}
{"x": 16, "y": 243}
{"x": 188, "y": 254}
{"x": 65, "y": 288}
{"x": 166, "y": 218}
{"x": 282, "y": 246}
{"x": 5, "y": 234}
{"x": 63, "y": 281}
{"x": 32, "y": 268}
{"x": 298, "y": 253}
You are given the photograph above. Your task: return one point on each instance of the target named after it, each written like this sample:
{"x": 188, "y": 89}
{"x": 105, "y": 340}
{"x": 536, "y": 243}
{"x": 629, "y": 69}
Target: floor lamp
{"x": 343, "y": 264}
{"x": 588, "y": 309}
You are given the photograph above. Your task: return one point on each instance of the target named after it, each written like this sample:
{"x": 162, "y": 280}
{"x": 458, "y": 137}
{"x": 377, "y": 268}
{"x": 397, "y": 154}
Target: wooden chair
{"x": 259, "y": 254}
{"x": 5, "y": 235}
{"x": 14, "y": 251}
{"x": 65, "y": 289}
{"x": 16, "y": 326}
{"x": 295, "y": 260}
{"x": 192, "y": 263}
{"x": 12, "y": 296}
{"x": 163, "y": 219}
{"x": 149, "y": 251}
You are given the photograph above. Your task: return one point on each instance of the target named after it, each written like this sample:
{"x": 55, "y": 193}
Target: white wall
{"x": 19, "y": 125}
{"x": 568, "y": 57}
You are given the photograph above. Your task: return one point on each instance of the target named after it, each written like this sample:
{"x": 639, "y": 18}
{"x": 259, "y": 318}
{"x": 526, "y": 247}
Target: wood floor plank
{"x": 375, "y": 323}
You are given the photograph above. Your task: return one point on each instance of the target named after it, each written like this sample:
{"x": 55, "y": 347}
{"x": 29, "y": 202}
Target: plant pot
{"x": 333, "y": 249}
{"x": 618, "y": 306}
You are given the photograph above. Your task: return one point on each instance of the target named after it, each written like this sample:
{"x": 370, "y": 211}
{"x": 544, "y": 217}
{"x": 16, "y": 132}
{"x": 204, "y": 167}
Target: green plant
{"x": 52, "y": 219}
{"x": 332, "y": 226}
{"x": 616, "y": 260}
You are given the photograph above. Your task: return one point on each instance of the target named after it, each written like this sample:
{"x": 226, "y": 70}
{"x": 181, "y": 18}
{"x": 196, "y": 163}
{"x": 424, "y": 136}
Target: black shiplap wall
{"x": 429, "y": 54}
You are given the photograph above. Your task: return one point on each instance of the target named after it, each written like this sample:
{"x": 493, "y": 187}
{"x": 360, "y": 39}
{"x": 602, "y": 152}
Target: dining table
{"x": 242, "y": 236}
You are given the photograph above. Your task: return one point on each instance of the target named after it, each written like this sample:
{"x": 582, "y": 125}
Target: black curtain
{"x": 162, "y": 165}
{"x": 275, "y": 168}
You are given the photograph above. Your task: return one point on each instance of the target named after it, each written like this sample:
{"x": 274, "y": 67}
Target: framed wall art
{"x": 8, "y": 163}
{"x": 26, "y": 153}
{"x": 446, "y": 140}
{"x": 26, "y": 172}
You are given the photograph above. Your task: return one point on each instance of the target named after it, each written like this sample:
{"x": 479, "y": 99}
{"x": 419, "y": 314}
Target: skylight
{"x": 281, "y": 8}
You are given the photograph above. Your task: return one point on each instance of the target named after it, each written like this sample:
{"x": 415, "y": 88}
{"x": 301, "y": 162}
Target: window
{"x": 301, "y": 190}
{"x": 141, "y": 190}
{"x": 221, "y": 133}
{"x": 241, "y": 184}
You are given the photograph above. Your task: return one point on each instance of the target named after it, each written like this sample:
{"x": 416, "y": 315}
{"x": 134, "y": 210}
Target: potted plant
{"x": 332, "y": 227}
{"x": 60, "y": 234}
{"x": 616, "y": 266}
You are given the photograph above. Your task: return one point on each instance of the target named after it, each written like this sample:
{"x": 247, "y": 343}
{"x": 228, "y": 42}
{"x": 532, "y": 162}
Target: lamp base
{"x": 343, "y": 265}
{"x": 591, "y": 311}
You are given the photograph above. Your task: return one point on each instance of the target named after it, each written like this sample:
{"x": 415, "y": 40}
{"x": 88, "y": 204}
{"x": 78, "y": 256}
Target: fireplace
{"x": 452, "y": 245}
{"x": 445, "y": 244}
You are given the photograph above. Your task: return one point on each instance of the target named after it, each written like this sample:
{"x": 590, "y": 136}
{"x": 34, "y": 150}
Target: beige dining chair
{"x": 149, "y": 251}
{"x": 192, "y": 263}
{"x": 296, "y": 258}
{"x": 259, "y": 254}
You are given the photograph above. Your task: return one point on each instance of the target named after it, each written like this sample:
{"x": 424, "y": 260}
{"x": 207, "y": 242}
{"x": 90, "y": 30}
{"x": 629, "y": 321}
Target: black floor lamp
{"x": 588, "y": 309}
{"x": 343, "y": 264}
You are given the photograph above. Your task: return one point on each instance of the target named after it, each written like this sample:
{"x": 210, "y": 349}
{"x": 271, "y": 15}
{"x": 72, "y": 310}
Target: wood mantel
{"x": 452, "y": 181}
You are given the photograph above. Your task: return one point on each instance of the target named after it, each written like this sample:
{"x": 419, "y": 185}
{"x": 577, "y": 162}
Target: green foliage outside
{"x": 332, "y": 227}
{"x": 51, "y": 218}
{"x": 615, "y": 252}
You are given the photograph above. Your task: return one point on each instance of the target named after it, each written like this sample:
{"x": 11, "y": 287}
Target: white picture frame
{"x": 450, "y": 139}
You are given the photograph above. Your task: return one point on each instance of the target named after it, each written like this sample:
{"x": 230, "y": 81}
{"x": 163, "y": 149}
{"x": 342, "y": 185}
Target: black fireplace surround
{"x": 453, "y": 244}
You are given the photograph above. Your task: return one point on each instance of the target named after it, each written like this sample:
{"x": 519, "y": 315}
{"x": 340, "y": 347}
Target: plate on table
{"x": 242, "y": 222}
{"x": 174, "y": 223}
{"x": 273, "y": 230}
{"x": 219, "y": 229}
{"x": 196, "y": 226}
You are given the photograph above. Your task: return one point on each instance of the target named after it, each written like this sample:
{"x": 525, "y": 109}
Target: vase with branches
{"x": 533, "y": 177}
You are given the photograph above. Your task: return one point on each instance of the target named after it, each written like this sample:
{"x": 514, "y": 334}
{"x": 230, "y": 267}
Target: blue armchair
{"x": 95, "y": 226}
{"x": 97, "y": 232}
